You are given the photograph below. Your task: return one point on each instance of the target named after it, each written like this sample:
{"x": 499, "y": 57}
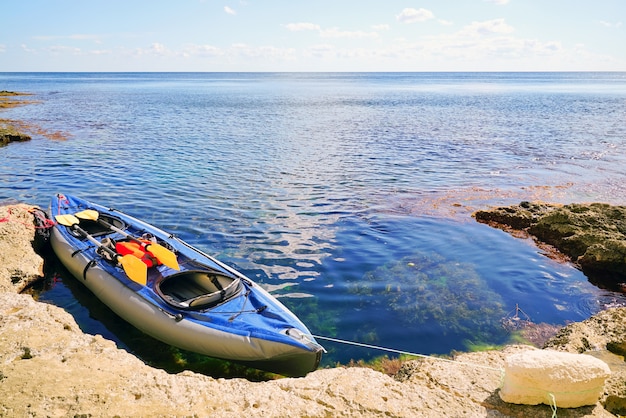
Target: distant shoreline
{"x": 19, "y": 131}
{"x": 10, "y": 131}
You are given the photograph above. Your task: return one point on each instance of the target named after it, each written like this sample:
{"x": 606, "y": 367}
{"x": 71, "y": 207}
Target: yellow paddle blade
{"x": 164, "y": 255}
{"x": 67, "y": 220}
{"x": 88, "y": 214}
{"x": 134, "y": 268}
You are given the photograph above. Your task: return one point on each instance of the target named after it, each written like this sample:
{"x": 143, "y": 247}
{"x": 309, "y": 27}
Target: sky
{"x": 314, "y": 35}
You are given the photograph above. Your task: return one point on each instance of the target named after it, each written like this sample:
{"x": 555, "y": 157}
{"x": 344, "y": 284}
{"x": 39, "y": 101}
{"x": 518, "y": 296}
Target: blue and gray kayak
{"x": 176, "y": 293}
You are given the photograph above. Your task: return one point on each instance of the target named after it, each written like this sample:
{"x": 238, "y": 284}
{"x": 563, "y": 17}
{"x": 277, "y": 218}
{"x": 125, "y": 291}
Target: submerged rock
{"x": 9, "y": 134}
{"x": 592, "y": 235}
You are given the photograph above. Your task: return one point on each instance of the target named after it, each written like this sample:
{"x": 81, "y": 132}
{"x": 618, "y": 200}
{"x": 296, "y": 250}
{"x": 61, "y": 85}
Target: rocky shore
{"x": 12, "y": 130}
{"x": 9, "y": 132}
{"x": 593, "y": 236}
{"x": 49, "y": 367}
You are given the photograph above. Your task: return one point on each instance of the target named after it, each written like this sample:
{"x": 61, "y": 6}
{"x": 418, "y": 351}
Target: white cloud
{"x": 25, "y": 48}
{"x": 296, "y": 27}
{"x": 445, "y": 22}
{"x": 495, "y": 52}
{"x": 75, "y": 37}
{"x": 498, "y": 2}
{"x": 380, "y": 27}
{"x": 3, "y": 48}
{"x": 263, "y": 52}
{"x": 100, "y": 52}
{"x": 61, "y": 49}
{"x": 488, "y": 27}
{"x": 410, "y": 15}
{"x": 202, "y": 51}
{"x": 336, "y": 33}
{"x": 610, "y": 24}
{"x": 229, "y": 10}
{"x": 158, "y": 48}
{"x": 330, "y": 32}
{"x": 322, "y": 50}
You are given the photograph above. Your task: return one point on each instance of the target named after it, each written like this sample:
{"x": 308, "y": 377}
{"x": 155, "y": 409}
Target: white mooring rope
{"x": 393, "y": 350}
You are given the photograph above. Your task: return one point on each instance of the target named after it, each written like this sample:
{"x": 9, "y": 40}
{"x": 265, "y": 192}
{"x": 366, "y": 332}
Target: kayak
{"x": 176, "y": 293}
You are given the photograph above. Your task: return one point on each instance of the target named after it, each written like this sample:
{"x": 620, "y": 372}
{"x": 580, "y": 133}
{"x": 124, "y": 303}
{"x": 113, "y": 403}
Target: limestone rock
{"x": 7, "y": 136}
{"x": 552, "y": 377}
{"x": 19, "y": 264}
{"x": 595, "y": 333}
{"x": 593, "y": 235}
{"x": 616, "y": 398}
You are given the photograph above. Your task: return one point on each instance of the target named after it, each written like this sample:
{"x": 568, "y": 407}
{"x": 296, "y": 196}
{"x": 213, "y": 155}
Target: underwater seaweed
{"x": 430, "y": 289}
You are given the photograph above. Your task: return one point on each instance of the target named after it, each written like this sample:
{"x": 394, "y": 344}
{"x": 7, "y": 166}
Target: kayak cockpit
{"x": 197, "y": 289}
{"x": 96, "y": 229}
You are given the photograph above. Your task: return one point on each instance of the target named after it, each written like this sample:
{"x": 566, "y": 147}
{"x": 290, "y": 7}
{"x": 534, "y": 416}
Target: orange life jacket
{"x": 138, "y": 250}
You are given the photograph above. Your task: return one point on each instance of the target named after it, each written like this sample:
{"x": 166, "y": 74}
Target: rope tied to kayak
{"x": 408, "y": 353}
{"x": 40, "y": 220}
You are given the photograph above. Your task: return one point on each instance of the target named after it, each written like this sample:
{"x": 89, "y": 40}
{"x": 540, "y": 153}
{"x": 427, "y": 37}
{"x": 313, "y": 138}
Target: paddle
{"x": 162, "y": 254}
{"x": 134, "y": 268}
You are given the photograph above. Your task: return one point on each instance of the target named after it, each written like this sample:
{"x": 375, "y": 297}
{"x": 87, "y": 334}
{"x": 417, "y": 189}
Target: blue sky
{"x": 316, "y": 35}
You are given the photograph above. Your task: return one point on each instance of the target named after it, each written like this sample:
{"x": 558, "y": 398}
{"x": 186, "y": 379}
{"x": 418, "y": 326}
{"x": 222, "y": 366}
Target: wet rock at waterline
{"x": 20, "y": 265}
{"x": 593, "y": 235}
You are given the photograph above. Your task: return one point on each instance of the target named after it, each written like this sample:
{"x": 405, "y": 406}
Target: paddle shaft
{"x": 126, "y": 234}
{"x": 116, "y": 229}
{"x": 95, "y": 241}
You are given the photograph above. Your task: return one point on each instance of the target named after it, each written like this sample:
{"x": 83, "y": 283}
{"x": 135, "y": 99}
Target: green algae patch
{"x": 448, "y": 295}
{"x": 9, "y": 99}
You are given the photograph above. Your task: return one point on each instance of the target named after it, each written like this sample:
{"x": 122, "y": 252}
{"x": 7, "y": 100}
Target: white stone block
{"x": 534, "y": 377}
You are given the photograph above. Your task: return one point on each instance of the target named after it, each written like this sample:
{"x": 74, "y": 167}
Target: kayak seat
{"x": 198, "y": 289}
{"x": 96, "y": 229}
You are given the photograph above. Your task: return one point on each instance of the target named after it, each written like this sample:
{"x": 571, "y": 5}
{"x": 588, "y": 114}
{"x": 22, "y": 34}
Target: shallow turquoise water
{"x": 347, "y": 195}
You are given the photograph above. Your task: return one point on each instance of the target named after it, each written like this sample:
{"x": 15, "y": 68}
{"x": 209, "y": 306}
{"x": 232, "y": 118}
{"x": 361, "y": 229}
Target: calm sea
{"x": 347, "y": 195}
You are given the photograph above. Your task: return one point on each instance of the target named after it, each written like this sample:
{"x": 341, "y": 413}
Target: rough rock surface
{"x": 19, "y": 264}
{"x": 601, "y": 335}
{"x": 9, "y": 134}
{"x": 592, "y": 235}
{"x": 49, "y": 367}
{"x": 8, "y": 131}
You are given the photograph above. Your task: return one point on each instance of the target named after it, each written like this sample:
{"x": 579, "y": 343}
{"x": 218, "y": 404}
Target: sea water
{"x": 346, "y": 195}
